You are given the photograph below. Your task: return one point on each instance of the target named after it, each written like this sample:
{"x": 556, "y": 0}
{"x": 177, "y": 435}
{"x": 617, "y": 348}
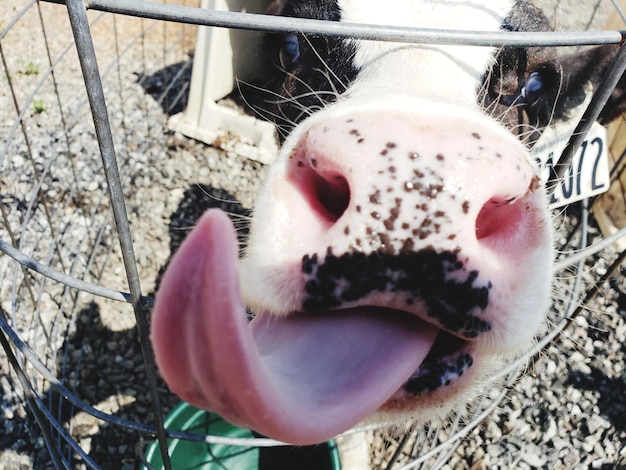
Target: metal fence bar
{"x": 28, "y": 393}
{"x": 67, "y": 280}
{"x": 591, "y": 114}
{"x": 14, "y": 339}
{"x": 87, "y": 56}
{"x": 257, "y": 22}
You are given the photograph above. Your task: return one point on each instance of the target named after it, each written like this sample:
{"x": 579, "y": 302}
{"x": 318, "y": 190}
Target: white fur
{"x": 463, "y": 66}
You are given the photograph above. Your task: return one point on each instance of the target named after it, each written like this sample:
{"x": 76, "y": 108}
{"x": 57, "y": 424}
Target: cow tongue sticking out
{"x": 301, "y": 378}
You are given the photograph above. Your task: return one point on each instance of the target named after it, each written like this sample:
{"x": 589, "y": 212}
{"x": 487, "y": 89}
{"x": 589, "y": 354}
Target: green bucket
{"x": 203, "y": 456}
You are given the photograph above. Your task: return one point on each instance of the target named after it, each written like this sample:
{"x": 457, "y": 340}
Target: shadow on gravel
{"x": 196, "y": 200}
{"x": 104, "y": 368}
{"x": 619, "y": 289}
{"x": 611, "y": 393}
{"x": 169, "y": 86}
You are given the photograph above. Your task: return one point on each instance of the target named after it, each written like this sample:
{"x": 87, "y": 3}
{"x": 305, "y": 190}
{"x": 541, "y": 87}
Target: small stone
{"x": 595, "y": 423}
{"x": 533, "y": 459}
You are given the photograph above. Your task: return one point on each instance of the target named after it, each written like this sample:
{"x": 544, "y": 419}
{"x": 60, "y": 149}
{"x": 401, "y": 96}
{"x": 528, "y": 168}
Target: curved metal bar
{"x": 30, "y": 356}
{"x": 592, "y": 113}
{"x": 69, "y": 281}
{"x": 589, "y": 251}
{"x": 257, "y": 22}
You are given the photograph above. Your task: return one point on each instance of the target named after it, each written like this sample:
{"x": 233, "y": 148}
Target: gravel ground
{"x": 568, "y": 410}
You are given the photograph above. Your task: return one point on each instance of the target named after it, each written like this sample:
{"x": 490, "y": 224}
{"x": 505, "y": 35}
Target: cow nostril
{"x": 498, "y": 219}
{"x": 333, "y": 193}
{"x": 324, "y": 189}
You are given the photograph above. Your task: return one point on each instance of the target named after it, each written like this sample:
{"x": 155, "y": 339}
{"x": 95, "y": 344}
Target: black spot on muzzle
{"x": 438, "y": 374}
{"x": 453, "y": 296}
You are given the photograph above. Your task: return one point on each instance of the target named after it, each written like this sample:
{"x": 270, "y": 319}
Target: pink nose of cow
{"x": 396, "y": 183}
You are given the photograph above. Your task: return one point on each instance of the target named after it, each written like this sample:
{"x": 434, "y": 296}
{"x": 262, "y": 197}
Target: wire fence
{"x": 91, "y": 184}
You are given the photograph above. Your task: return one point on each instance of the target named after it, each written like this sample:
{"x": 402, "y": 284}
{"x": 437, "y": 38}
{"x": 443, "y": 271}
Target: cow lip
{"x": 446, "y": 363}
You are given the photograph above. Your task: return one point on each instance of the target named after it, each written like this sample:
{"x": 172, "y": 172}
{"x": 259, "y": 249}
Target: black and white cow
{"x": 401, "y": 248}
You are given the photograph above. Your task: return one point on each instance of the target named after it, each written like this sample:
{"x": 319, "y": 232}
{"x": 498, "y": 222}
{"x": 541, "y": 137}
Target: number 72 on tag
{"x": 588, "y": 173}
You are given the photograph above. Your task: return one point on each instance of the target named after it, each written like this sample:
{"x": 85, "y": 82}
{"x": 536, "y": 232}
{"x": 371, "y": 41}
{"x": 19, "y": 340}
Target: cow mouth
{"x": 448, "y": 360}
{"x": 299, "y": 336}
{"x": 300, "y": 378}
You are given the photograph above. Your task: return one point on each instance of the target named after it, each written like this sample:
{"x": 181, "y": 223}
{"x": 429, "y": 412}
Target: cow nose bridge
{"x": 401, "y": 182}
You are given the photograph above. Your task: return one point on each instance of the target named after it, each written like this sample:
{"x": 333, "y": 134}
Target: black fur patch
{"x": 323, "y": 70}
{"x": 501, "y": 92}
{"x": 451, "y": 294}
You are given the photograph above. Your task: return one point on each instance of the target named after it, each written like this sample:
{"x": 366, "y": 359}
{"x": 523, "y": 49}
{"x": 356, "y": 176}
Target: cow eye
{"x": 541, "y": 85}
{"x": 533, "y": 87}
{"x": 289, "y": 51}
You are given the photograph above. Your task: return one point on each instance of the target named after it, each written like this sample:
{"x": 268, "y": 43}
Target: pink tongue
{"x": 302, "y": 378}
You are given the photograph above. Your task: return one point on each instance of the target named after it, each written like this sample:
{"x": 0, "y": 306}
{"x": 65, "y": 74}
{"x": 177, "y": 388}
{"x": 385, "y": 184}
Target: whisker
{"x": 328, "y": 69}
